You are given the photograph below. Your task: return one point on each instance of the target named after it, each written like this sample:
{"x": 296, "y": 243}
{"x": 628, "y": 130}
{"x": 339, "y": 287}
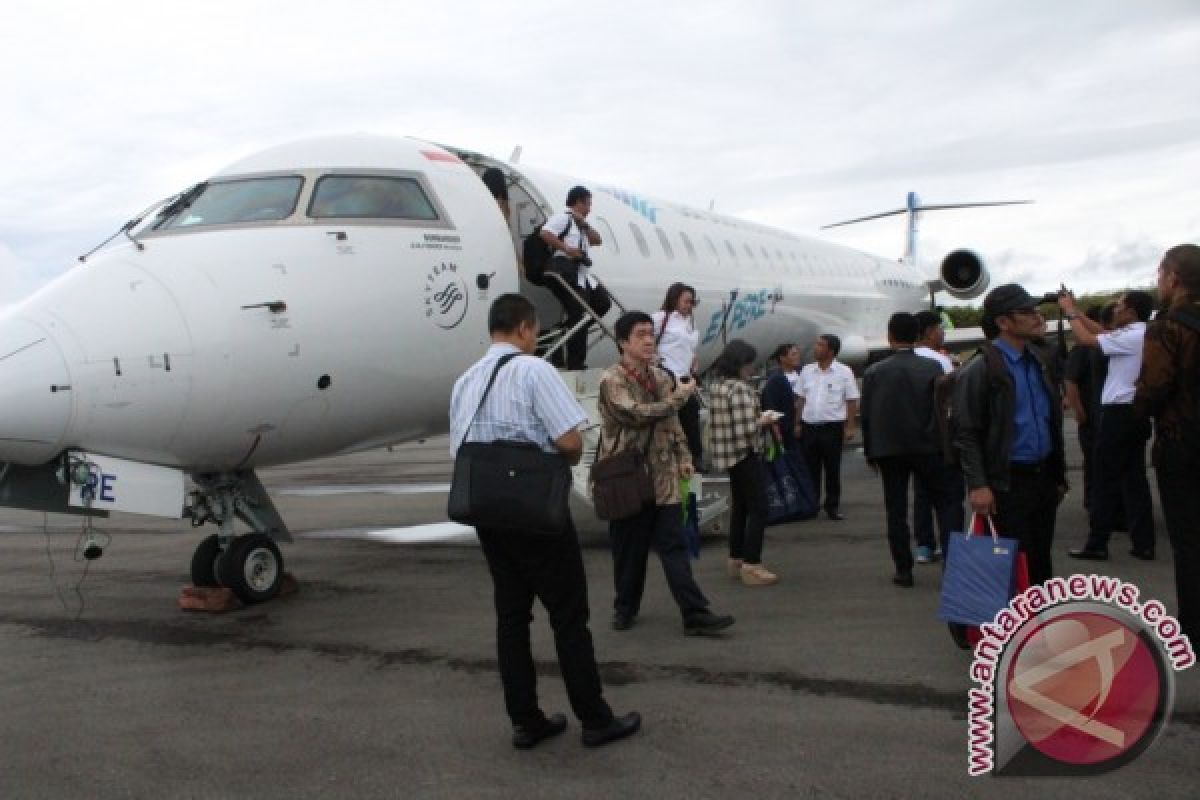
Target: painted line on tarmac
{"x": 412, "y": 534}
{"x": 364, "y": 488}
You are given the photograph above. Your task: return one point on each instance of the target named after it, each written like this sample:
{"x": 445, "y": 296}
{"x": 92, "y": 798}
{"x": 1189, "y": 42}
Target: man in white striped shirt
{"x": 529, "y": 403}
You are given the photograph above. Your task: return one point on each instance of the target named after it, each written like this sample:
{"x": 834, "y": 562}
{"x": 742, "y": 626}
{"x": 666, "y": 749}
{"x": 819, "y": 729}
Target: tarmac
{"x": 378, "y": 679}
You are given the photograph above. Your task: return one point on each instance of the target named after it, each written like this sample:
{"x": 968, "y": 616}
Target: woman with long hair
{"x": 737, "y": 422}
{"x": 676, "y": 338}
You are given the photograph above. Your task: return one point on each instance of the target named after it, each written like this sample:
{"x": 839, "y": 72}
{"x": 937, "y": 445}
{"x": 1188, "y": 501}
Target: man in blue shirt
{"x": 1008, "y": 428}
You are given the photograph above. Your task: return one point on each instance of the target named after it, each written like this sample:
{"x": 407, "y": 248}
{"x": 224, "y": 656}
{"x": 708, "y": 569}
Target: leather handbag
{"x": 622, "y": 484}
{"x": 509, "y": 485}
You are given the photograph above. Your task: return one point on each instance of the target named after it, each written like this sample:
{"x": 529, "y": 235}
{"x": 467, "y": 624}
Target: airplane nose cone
{"x": 35, "y": 394}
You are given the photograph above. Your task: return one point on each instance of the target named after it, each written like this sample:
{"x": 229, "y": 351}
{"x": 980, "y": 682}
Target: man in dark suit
{"x": 900, "y": 433}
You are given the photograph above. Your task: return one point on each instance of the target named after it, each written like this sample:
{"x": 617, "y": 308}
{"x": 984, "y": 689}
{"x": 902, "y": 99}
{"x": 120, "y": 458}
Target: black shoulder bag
{"x": 509, "y": 485}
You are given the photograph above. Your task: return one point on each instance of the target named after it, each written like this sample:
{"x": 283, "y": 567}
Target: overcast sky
{"x": 793, "y": 114}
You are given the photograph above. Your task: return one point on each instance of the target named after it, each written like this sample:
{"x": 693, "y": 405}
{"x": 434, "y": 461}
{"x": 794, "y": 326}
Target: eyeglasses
{"x": 1029, "y": 311}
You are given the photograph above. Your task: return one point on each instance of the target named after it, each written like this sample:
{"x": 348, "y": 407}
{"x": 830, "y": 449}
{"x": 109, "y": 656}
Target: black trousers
{"x": 949, "y": 514}
{"x": 823, "y": 442}
{"x": 660, "y": 527}
{"x": 748, "y": 509}
{"x": 1026, "y": 513}
{"x": 689, "y": 418}
{"x": 1178, "y": 474}
{"x": 1120, "y": 471}
{"x": 597, "y": 299}
{"x": 551, "y": 569}
{"x": 1087, "y": 445}
{"x": 895, "y": 472}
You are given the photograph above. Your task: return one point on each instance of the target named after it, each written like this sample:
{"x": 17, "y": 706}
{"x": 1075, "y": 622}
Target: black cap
{"x": 1008, "y": 298}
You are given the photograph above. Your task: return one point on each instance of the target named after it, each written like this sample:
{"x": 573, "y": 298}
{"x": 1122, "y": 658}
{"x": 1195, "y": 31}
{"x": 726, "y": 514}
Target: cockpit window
{"x": 379, "y": 197}
{"x": 233, "y": 202}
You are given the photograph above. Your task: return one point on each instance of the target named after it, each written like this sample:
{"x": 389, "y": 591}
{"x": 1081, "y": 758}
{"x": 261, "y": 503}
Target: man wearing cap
{"x": 1008, "y": 428}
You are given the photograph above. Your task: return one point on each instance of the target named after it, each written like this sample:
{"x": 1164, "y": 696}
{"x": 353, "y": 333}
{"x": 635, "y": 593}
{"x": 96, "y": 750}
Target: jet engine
{"x": 963, "y": 275}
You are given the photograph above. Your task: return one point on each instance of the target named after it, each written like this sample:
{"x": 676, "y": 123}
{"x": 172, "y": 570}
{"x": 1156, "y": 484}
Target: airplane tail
{"x": 913, "y": 208}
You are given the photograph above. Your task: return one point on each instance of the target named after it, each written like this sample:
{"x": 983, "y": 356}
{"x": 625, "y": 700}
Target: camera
{"x": 1049, "y": 297}
{"x": 585, "y": 260}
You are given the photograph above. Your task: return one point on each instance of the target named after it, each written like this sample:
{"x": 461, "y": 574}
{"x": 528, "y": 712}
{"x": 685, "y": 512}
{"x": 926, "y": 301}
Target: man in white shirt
{"x": 1120, "y": 464}
{"x": 568, "y": 234}
{"x": 932, "y": 339}
{"x": 828, "y": 398}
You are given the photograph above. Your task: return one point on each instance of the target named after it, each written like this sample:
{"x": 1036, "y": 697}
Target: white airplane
{"x": 321, "y": 297}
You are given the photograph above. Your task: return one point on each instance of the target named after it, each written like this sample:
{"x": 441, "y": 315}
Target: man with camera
{"x": 1120, "y": 465}
{"x": 569, "y": 235}
{"x": 639, "y": 404}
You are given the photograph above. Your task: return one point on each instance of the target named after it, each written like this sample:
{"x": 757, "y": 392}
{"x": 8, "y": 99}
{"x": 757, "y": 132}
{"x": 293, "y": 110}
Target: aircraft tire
{"x": 204, "y": 562}
{"x": 252, "y": 567}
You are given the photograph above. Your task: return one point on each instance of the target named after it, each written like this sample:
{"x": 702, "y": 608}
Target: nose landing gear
{"x": 249, "y": 564}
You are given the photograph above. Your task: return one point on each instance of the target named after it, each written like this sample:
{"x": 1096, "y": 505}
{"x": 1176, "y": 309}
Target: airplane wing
{"x": 960, "y": 340}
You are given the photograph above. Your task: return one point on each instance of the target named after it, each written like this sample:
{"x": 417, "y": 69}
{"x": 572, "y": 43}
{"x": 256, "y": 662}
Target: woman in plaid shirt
{"x": 736, "y": 425}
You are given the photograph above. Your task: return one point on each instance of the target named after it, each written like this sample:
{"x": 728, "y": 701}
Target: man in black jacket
{"x": 1008, "y": 428}
{"x": 900, "y": 433}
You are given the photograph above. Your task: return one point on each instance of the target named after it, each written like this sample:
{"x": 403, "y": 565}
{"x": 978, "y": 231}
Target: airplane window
{"x": 608, "y": 235}
{"x": 687, "y": 245}
{"x": 374, "y": 196}
{"x": 732, "y": 252}
{"x": 640, "y": 239}
{"x": 231, "y": 202}
{"x": 712, "y": 248}
{"x": 749, "y": 252}
{"x": 766, "y": 255}
{"x": 665, "y": 242}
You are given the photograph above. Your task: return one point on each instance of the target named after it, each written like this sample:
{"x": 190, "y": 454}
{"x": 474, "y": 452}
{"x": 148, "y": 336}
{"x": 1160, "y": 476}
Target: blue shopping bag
{"x": 790, "y": 494}
{"x": 980, "y": 576}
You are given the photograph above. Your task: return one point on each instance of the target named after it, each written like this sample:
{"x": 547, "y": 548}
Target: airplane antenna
{"x": 913, "y": 208}
{"x": 516, "y": 155}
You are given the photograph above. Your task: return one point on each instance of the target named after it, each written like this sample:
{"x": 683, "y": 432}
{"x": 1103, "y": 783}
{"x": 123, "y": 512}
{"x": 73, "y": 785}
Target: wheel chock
{"x": 213, "y": 599}
{"x": 218, "y": 600}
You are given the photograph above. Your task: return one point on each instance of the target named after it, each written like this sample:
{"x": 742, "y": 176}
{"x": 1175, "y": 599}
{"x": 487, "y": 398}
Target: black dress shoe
{"x": 526, "y": 737}
{"x": 705, "y": 623}
{"x": 903, "y": 578}
{"x": 1144, "y": 555}
{"x": 622, "y": 622}
{"x": 835, "y": 515}
{"x": 1089, "y": 553}
{"x": 619, "y": 728}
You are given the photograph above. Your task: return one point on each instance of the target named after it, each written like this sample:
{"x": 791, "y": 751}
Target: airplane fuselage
{"x": 311, "y": 329}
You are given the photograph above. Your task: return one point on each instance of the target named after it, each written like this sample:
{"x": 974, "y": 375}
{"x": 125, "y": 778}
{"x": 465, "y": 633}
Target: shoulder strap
{"x": 663, "y": 329}
{"x": 503, "y": 360}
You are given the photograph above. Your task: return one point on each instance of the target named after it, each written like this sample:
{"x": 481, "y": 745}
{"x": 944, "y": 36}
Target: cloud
{"x": 17, "y": 276}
